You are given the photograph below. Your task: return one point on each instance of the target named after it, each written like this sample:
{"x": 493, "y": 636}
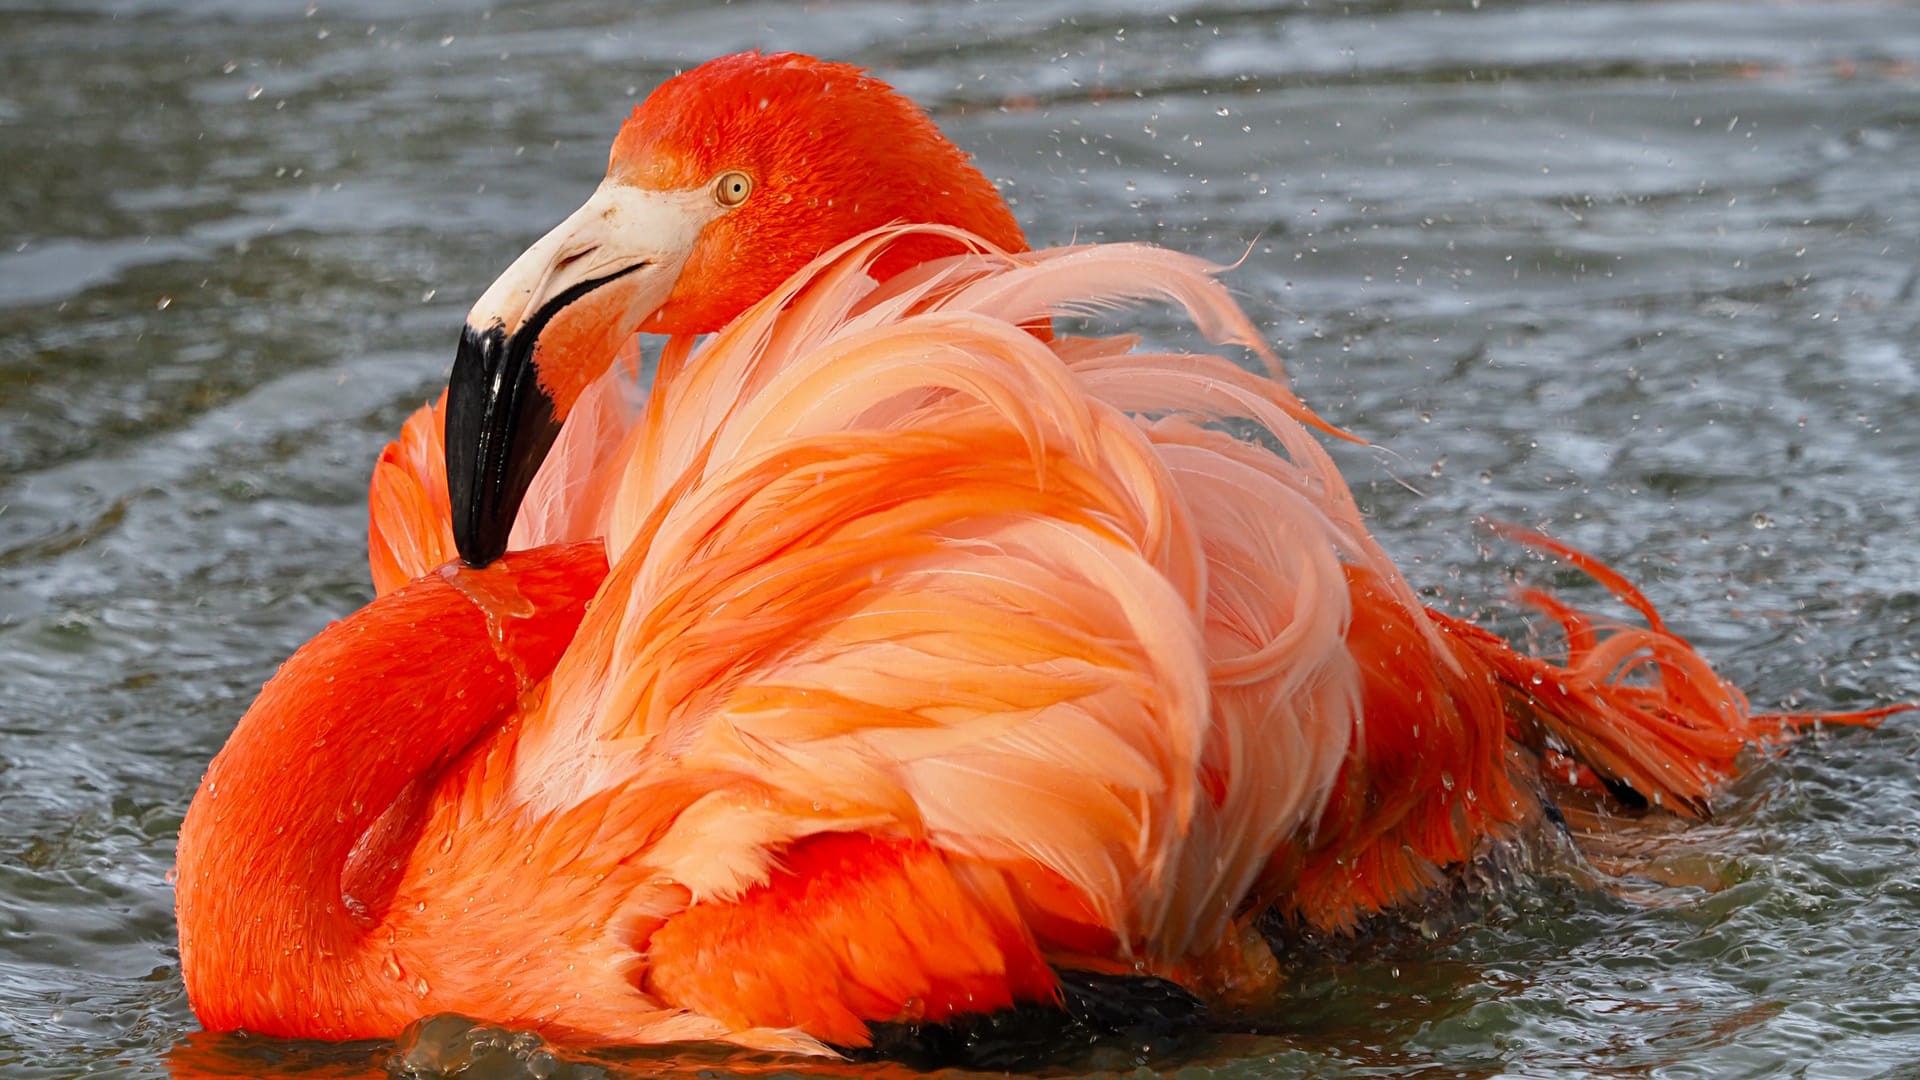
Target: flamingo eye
{"x": 730, "y": 189}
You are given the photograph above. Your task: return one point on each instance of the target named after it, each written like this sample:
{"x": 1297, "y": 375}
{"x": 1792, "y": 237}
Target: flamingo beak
{"x": 535, "y": 338}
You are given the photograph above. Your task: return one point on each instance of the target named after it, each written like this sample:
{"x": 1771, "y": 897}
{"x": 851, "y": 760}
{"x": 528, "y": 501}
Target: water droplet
{"x": 498, "y": 600}
{"x": 163, "y": 303}
{"x": 420, "y": 987}
{"x": 1762, "y": 521}
{"x": 254, "y": 92}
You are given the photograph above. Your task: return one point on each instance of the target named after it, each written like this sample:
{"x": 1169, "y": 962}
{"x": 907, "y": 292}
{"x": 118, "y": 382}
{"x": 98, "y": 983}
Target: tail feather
{"x": 1638, "y": 705}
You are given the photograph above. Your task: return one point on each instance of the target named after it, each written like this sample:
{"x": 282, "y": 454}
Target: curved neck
{"x": 373, "y": 704}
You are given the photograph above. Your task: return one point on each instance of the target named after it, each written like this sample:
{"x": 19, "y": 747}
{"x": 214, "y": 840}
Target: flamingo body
{"x": 889, "y": 657}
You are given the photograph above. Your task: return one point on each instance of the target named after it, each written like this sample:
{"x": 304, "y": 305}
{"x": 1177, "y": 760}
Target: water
{"x": 1644, "y": 274}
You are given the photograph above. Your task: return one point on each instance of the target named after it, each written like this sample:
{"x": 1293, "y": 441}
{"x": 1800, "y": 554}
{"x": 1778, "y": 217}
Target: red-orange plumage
{"x": 891, "y": 656}
{"x": 407, "y": 510}
{"x": 316, "y": 794}
{"x": 1427, "y": 780}
{"x": 801, "y": 128}
{"x": 848, "y": 928}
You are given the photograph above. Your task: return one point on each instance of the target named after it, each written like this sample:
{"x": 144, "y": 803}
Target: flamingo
{"x": 890, "y": 659}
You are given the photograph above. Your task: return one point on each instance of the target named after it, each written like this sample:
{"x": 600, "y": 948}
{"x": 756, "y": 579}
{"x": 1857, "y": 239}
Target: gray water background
{"x": 1644, "y": 274}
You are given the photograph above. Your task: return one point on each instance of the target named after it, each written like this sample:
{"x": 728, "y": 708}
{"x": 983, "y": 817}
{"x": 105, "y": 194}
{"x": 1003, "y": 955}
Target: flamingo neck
{"x": 268, "y": 938}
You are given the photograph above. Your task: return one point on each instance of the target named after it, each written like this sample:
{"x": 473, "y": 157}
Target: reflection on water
{"x": 1644, "y": 274}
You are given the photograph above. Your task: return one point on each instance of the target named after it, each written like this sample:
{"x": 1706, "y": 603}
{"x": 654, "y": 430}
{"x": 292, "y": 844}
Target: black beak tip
{"x": 500, "y": 425}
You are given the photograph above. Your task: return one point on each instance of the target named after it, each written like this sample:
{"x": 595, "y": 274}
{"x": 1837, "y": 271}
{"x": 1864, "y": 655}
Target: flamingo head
{"x": 724, "y": 182}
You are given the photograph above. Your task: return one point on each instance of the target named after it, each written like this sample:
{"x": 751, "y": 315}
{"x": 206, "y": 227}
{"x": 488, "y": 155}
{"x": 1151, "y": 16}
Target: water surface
{"x": 1643, "y": 274}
